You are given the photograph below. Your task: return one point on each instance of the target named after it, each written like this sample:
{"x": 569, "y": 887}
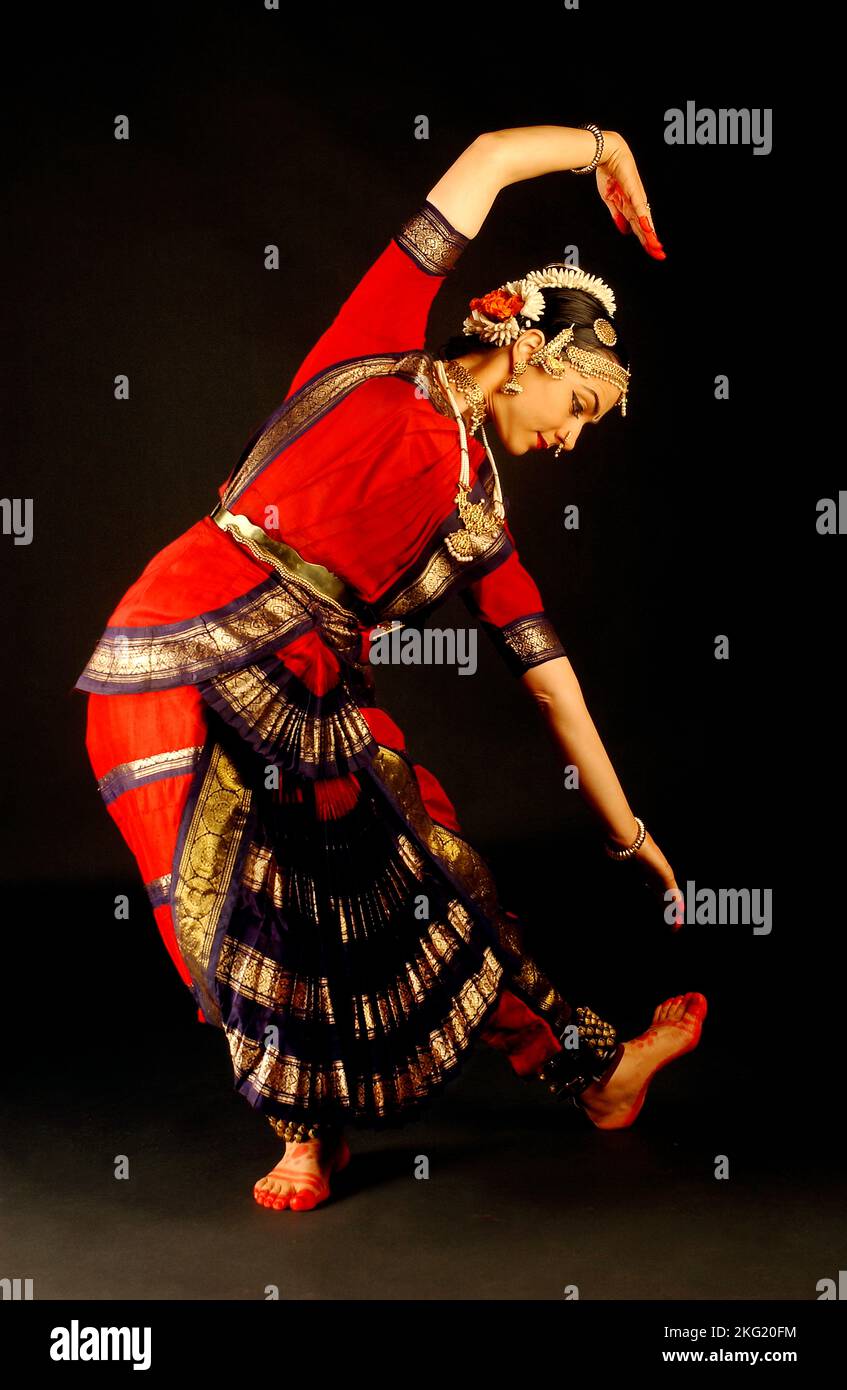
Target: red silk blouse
{"x": 357, "y": 470}
{"x": 365, "y": 487}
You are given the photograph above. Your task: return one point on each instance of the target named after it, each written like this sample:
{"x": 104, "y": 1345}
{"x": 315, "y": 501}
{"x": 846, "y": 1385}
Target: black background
{"x": 697, "y": 515}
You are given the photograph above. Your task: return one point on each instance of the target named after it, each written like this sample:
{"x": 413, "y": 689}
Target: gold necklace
{"x": 481, "y": 521}
{"x": 470, "y": 388}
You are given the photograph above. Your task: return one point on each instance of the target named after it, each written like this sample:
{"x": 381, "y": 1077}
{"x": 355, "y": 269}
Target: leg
{"x": 574, "y": 1051}
{"x": 515, "y": 1029}
{"x": 142, "y": 749}
{"x": 524, "y": 1037}
{"x": 520, "y": 1031}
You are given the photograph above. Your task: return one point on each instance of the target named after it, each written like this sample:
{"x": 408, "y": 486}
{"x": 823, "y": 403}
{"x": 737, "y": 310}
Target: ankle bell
{"x": 594, "y": 1059}
{"x": 296, "y": 1131}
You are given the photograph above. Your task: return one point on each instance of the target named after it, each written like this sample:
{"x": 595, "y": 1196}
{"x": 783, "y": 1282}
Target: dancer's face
{"x": 554, "y": 410}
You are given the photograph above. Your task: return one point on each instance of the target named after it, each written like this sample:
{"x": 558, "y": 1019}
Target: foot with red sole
{"x": 675, "y": 1030}
{"x": 300, "y": 1181}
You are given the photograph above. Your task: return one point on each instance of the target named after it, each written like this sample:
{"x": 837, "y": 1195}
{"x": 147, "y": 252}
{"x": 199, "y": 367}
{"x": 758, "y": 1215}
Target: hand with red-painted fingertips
{"x": 649, "y": 864}
{"x": 621, "y": 222}
{"x": 620, "y": 187}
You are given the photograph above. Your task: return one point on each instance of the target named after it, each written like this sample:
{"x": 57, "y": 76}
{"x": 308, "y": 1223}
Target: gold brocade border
{"x": 253, "y": 975}
{"x": 438, "y": 576}
{"x": 314, "y": 740}
{"x": 319, "y": 396}
{"x": 284, "y": 1078}
{"x": 203, "y": 876}
{"x": 291, "y": 1081}
{"x": 158, "y": 890}
{"x": 431, "y": 241}
{"x": 531, "y": 640}
{"x": 261, "y": 874}
{"x": 419, "y": 368}
{"x": 465, "y": 864}
{"x": 139, "y": 771}
{"x": 200, "y": 645}
{"x": 427, "y": 587}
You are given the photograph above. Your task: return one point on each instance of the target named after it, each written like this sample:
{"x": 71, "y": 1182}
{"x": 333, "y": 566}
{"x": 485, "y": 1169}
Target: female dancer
{"x": 310, "y": 881}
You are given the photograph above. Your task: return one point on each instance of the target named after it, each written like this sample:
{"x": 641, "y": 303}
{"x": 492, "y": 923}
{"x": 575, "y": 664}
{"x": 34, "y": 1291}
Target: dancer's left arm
{"x": 389, "y": 308}
{"x": 556, "y": 692}
{"x": 497, "y": 158}
{"x": 508, "y": 604}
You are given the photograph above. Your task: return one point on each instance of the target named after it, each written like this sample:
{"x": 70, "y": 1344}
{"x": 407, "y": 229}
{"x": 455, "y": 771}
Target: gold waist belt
{"x": 285, "y": 559}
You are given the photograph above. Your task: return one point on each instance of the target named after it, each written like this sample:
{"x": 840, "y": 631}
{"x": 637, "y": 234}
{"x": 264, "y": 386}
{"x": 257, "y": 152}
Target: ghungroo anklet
{"x": 297, "y": 1131}
{"x": 594, "y": 1059}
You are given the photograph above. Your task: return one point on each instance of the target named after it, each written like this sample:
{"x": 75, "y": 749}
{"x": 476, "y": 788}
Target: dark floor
{"x": 523, "y": 1197}
{"x": 103, "y": 1058}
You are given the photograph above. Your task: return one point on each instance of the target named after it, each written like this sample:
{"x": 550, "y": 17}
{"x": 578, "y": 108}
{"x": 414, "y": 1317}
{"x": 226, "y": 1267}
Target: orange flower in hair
{"x": 497, "y": 304}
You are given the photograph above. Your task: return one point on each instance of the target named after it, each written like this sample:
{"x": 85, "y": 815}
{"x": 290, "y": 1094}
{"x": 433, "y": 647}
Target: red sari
{"x": 310, "y": 881}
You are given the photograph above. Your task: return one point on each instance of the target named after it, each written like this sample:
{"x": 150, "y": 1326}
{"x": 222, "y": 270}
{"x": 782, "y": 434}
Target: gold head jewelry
{"x": 586, "y": 362}
{"x": 496, "y": 318}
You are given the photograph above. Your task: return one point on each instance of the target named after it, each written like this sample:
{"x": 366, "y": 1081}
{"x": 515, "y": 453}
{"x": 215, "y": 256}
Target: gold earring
{"x": 511, "y": 386}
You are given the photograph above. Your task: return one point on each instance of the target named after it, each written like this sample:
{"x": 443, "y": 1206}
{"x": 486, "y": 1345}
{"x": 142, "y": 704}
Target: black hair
{"x": 562, "y": 307}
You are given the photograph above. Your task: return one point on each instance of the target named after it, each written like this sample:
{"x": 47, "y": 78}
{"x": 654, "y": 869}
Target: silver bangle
{"x": 598, "y": 136}
{"x": 630, "y": 849}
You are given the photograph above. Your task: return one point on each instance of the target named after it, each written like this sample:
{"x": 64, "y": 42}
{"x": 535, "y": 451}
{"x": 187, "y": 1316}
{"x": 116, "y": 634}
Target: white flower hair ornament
{"x": 495, "y": 318}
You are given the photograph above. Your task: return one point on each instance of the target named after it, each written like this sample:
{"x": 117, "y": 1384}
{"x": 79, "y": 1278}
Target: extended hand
{"x": 657, "y": 875}
{"x": 620, "y": 187}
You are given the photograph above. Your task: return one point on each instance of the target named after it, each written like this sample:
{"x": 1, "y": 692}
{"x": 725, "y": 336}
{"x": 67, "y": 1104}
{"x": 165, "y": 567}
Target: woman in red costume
{"x": 309, "y": 879}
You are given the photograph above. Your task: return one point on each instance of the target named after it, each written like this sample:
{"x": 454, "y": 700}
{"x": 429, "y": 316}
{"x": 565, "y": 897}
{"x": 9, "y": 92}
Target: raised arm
{"x": 497, "y": 158}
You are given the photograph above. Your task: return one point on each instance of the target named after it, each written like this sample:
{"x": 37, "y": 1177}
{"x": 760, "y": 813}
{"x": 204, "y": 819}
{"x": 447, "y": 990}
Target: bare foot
{"x": 674, "y": 1031}
{"x": 300, "y": 1181}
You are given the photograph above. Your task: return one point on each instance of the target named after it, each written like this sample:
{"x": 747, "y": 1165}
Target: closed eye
{"x": 597, "y": 417}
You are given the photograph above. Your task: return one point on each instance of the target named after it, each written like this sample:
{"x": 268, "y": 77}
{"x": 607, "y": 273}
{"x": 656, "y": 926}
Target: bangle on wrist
{"x": 630, "y": 849}
{"x": 598, "y": 153}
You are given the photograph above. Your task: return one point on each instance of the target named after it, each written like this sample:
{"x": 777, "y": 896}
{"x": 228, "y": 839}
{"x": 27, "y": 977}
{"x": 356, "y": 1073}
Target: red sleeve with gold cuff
{"x": 508, "y": 604}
